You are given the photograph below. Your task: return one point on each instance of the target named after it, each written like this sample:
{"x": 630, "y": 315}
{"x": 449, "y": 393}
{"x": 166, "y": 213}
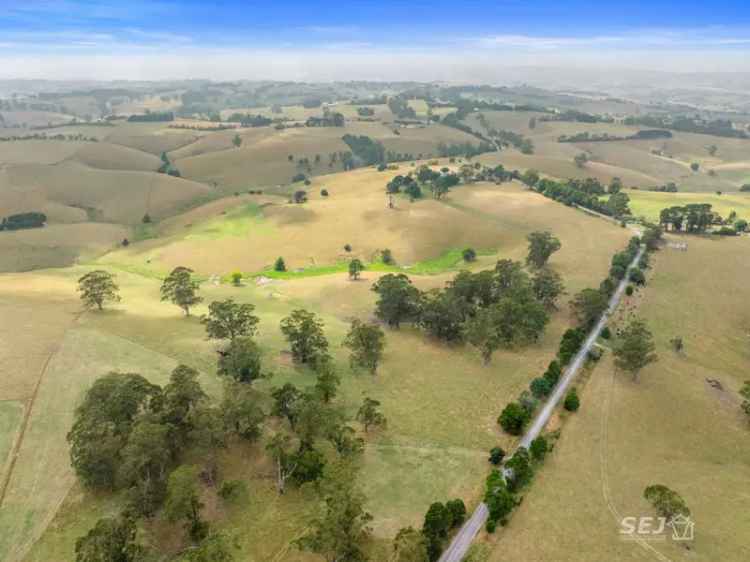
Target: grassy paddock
{"x": 672, "y": 427}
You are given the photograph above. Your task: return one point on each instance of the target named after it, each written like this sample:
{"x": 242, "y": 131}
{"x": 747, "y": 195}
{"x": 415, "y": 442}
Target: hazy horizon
{"x": 475, "y": 41}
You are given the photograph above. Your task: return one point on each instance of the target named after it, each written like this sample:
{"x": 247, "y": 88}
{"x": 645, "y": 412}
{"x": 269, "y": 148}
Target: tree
{"x": 285, "y": 400}
{"x": 241, "y": 412}
{"x": 588, "y": 306}
{"x": 179, "y": 288}
{"x": 228, "y": 319}
{"x": 340, "y": 528}
{"x": 410, "y": 545}
{"x": 581, "y": 159}
{"x": 366, "y": 343}
{"x": 143, "y": 464}
{"x": 344, "y": 439}
{"x": 241, "y": 360}
{"x": 102, "y": 425}
{"x": 457, "y": 509}
{"x": 541, "y": 246}
{"x": 636, "y": 349}
{"x": 520, "y": 468}
{"x": 636, "y": 276}
{"x": 355, "y": 268}
{"x": 539, "y": 448}
{"x": 237, "y": 141}
{"x": 469, "y": 255}
{"x": 437, "y": 523}
{"x": 513, "y": 418}
{"x": 572, "y": 402}
{"x": 695, "y": 166}
{"x": 180, "y": 399}
{"x": 668, "y": 503}
{"x": 369, "y": 415}
{"x": 112, "y": 539}
{"x": 328, "y": 381}
{"x": 712, "y": 149}
{"x": 279, "y": 265}
{"x": 481, "y": 332}
{"x": 615, "y": 186}
{"x": 745, "y": 393}
{"x": 386, "y": 257}
{"x": 547, "y": 286}
{"x": 500, "y": 501}
{"x": 97, "y": 287}
{"x": 183, "y": 501}
{"x": 497, "y": 454}
{"x": 304, "y": 332}
{"x": 398, "y": 299}
{"x": 236, "y": 278}
{"x": 279, "y": 447}
{"x": 214, "y": 548}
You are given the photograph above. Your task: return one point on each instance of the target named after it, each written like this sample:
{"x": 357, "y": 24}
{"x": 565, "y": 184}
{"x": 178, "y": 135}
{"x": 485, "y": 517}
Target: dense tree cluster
{"x": 20, "y": 221}
{"x": 606, "y": 137}
{"x": 585, "y": 193}
{"x": 152, "y": 117}
{"x": 489, "y": 309}
{"x": 717, "y": 127}
{"x": 691, "y": 218}
{"x": 366, "y": 151}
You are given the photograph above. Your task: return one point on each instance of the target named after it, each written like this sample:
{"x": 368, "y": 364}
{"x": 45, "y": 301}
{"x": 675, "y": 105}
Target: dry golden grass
{"x": 672, "y": 427}
{"x": 109, "y": 156}
{"x": 114, "y": 195}
{"x": 355, "y": 213}
{"x": 57, "y": 245}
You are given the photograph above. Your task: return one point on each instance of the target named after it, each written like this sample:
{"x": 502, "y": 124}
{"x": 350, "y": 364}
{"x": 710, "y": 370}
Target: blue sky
{"x": 128, "y": 38}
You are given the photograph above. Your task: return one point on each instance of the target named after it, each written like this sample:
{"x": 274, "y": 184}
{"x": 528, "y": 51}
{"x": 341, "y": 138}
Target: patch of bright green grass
{"x": 235, "y": 223}
{"x": 447, "y": 261}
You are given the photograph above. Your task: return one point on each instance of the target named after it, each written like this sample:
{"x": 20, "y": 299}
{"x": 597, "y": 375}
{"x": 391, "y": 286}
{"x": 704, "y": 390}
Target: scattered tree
{"x": 97, "y": 287}
{"x": 541, "y": 246}
{"x": 398, "y": 299}
{"x": 636, "y": 349}
{"x": 237, "y": 141}
{"x": 497, "y": 454}
{"x": 183, "y": 501}
{"x": 581, "y": 159}
{"x": 547, "y": 286}
{"x": 241, "y": 360}
{"x": 228, "y": 320}
{"x": 539, "y": 448}
{"x": 695, "y": 166}
{"x": 304, "y": 332}
{"x": 469, "y": 255}
{"x": 241, "y": 413}
{"x": 668, "y": 503}
{"x": 572, "y": 402}
{"x": 745, "y": 393}
{"x": 355, "y": 268}
{"x": 111, "y": 539}
{"x": 181, "y": 289}
{"x": 588, "y": 306}
{"x": 279, "y": 265}
{"x": 386, "y": 257}
{"x": 369, "y": 415}
{"x": 340, "y": 529}
{"x": 366, "y": 342}
{"x": 514, "y": 418}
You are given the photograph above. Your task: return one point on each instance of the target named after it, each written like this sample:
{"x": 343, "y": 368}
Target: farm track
{"x": 461, "y": 542}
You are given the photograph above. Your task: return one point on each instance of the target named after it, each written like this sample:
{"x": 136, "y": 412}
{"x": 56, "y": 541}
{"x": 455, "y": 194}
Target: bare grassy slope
{"x": 114, "y": 195}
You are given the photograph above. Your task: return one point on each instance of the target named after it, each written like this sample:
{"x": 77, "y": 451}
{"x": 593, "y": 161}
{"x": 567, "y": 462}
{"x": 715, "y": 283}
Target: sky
{"x": 463, "y": 40}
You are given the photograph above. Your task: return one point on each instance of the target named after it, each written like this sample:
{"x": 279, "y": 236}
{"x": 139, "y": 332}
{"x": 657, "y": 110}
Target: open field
{"x": 427, "y": 453}
{"x": 249, "y": 238}
{"x": 672, "y": 427}
{"x": 649, "y": 204}
{"x": 634, "y": 161}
